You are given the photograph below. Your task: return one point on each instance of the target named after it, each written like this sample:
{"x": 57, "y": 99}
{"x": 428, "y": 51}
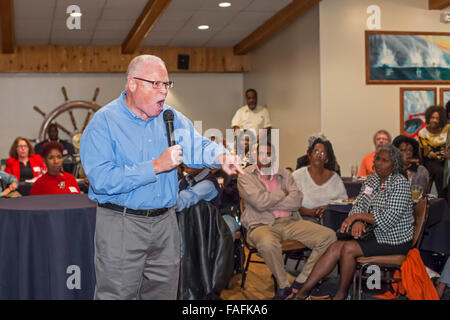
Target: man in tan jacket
{"x": 272, "y": 200}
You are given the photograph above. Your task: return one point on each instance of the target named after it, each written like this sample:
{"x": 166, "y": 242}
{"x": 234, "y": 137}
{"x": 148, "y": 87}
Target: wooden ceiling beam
{"x": 7, "y": 25}
{"x": 438, "y": 4}
{"x": 277, "y": 22}
{"x": 149, "y": 15}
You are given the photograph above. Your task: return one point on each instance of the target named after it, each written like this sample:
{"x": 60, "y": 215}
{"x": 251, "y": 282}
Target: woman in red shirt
{"x": 55, "y": 181}
{"x": 23, "y": 163}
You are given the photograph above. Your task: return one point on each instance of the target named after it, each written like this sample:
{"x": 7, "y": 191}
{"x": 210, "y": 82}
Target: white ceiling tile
{"x": 170, "y": 16}
{"x": 91, "y": 9}
{"x": 124, "y": 4}
{"x": 35, "y": 3}
{"x": 33, "y": 28}
{"x": 185, "y": 5}
{"x": 267, "y": 5}
{"x": 108, "y": 22}
{"x": 249, "y": 20}
{"x": 221, "y": 43}
{"x": 117, "y": 13}
{"x": 36, "y": 12}
{"x": 86, "y": 25}
{"x": 156, "y": 43}
{"x": 108, "y": 38}
{"x": 236, "y": 5}
{"x": 115, "y": 25}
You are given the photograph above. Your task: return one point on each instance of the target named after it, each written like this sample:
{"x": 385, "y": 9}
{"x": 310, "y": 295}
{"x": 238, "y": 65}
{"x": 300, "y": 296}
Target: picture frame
{"x": 413, "y": 103}
{"x": 444, "y": 94}
{"x": 396, "y": 57}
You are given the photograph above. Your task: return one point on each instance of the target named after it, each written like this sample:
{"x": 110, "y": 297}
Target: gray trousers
{"x": 136, "y": 257}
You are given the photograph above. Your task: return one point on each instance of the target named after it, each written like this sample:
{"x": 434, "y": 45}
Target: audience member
{"x": 272, "y": 200}
{"x": 417, "y": 174}
{"x": 432, "y": 140}
{"x": 385, "y": 201}
{"x": 200, "y": 184}
{"x": 446, "y": 155}
{"x": 52, "y": 133}
{"x": 23, "y": 163}
{"x": 251, "y": 116}
{"x": 444, "y": 280}
{"x": 55, "y": 181}
{"x": 8, "y": 184}
{"x": 318, "y": 182}
{"x": 303, "y": 161}
{"x": 380, "y": 138}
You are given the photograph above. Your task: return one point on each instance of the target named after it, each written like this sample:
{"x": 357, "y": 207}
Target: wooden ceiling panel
{"x": 7, "y": 25}
{"x": 152, "y": 11}
{"x": 280, "y": 20}
{"x": 438, "y": 4}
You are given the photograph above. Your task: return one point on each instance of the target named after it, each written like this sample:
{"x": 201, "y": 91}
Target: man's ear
{"x": 131, "y": 84}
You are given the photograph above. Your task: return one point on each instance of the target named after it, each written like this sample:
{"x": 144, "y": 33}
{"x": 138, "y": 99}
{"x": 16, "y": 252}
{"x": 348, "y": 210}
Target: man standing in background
{"x": 380, "y": 138}
{"x": 251, "y": 116}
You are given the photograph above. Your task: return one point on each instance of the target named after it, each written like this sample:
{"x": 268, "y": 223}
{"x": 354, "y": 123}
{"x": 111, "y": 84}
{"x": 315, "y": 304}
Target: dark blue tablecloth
{"x": 353, "y": 187}
{"x": 47, "y": 247}
{"x": 437, "y": 230}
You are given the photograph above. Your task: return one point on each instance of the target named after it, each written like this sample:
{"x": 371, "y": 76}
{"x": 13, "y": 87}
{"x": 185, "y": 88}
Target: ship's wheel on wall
{"x": 75, "y": 110}
{"x": 69, "y": 107}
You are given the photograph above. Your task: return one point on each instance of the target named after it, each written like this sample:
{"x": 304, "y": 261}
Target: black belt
{"x": 148, "y": 212}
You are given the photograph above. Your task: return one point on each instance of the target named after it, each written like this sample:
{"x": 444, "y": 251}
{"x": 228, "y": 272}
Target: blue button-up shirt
{"x": 117, "y": 150}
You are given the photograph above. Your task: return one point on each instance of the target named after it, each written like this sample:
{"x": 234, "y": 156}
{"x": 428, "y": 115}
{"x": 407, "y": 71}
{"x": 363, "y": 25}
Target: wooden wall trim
{"x": 48, "y": 59}
{"x": 7, "y": 25}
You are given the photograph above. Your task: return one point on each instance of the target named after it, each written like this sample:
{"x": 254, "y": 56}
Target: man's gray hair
{"x": 137, "y": 62}
{"x": 396, "y": 156}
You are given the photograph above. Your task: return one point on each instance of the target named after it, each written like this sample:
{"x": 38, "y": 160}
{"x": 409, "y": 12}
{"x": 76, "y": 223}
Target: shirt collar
{"x": 273, "y": 175}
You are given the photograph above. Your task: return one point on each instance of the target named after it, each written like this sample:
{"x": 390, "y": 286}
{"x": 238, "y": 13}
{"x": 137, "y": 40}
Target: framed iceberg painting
{"x": 413, "y": 103}
{"x": 445, "y": 96}
{"x": 407, "y": 57}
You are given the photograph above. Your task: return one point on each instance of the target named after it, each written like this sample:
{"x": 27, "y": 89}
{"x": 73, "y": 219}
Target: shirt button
{"x": 158, "y": 194}
{"x": 149, "y": 140}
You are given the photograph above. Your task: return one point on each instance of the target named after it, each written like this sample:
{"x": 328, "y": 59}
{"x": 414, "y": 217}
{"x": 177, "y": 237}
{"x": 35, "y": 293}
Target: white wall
{"x": 286, "y": 73}
{"x": 212, "y": 98}
{"x": 351, "y": 110}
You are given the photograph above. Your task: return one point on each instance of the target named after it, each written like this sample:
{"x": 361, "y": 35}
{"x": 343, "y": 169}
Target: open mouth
{"x": 160, "y": 103}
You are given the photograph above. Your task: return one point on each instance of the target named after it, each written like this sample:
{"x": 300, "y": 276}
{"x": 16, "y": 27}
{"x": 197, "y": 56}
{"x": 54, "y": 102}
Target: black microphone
{"x": 168, "y": 119}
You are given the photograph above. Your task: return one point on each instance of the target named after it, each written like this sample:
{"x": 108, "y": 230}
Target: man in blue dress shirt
{"x": 133, "y": 177}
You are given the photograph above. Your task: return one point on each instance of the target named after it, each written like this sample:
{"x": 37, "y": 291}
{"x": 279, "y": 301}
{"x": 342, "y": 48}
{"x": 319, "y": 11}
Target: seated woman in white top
{"x": 318, "y": 183}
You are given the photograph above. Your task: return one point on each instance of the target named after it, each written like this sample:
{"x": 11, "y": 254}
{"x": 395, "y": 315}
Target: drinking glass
{"x": 354, "y": 171}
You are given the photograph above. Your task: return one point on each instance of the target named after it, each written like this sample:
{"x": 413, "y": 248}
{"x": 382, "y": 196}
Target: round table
{"x": 47, "y": 247}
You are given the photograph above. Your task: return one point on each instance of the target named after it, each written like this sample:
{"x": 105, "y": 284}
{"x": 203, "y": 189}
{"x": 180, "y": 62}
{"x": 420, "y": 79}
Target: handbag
{"x": 368, "y": 234}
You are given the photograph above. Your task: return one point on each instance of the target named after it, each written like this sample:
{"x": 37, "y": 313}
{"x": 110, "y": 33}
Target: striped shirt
{"x": 391, "y": 205}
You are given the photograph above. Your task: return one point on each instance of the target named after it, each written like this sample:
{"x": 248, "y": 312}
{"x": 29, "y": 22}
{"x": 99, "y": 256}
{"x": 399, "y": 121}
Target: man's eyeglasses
{"x": 157, "y": 84}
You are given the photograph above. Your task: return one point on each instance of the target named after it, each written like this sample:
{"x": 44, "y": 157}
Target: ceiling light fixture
{"x": 224, "y": 4}
{"x": 203, "y": 27}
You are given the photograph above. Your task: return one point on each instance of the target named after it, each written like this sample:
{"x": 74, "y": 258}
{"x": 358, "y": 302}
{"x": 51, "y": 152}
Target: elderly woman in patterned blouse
{"x": 384, "y": 201}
